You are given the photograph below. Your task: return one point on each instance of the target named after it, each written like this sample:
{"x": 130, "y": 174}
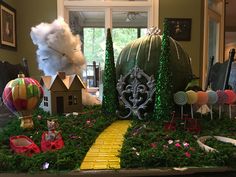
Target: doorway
{"x": 60, "y": 104}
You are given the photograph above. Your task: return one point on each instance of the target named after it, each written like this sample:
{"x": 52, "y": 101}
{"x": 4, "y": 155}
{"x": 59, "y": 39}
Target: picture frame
{"x": 180, "y": 28}
{"x": 7, "y": 26}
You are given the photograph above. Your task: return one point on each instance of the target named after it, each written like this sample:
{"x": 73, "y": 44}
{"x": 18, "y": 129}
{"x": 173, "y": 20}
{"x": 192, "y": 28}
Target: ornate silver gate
{"x": 135, "y": 90}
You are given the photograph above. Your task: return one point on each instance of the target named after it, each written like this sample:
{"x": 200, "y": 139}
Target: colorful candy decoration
{"x": 181, "y": 99}
{"x": 231, "y": 98}
{"x": 192, "y": 99}
{"x": 212, "y": 99}
{"x": 21, "y": 96}
{"x": 222, "y": 98}
{"x": 202, "y": 99}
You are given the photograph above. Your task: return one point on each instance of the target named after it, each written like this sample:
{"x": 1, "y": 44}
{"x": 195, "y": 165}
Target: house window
{"x": 70, "y": 100}
{"x": 45, "y": 101}
{"x": 75, "y": 100}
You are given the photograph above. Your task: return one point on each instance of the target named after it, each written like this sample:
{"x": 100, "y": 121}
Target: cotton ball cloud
{"x": 59, "y": 50}
{"x": 57, "y": 47}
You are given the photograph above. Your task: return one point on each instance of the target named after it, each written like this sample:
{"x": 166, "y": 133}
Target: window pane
{"x": 126, "y": 28}
{"x": 121, "y": 37}
{"x": 90, "y": 26}
{"x": 213, "y": 39}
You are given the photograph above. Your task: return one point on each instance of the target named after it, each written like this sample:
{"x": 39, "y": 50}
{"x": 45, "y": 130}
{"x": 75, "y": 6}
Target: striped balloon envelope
{"x": 22, "y": 95}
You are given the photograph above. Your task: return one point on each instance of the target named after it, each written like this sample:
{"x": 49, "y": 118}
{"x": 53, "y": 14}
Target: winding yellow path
{"x": 103, "y": 154}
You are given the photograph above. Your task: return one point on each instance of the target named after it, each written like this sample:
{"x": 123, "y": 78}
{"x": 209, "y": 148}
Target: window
{"x": 72, "y": 100}
{"x": 91, "y": 18}
{"x": 45, "y": 101}
{"x": 213, "y": 35}
{"x": 75, "y": 100}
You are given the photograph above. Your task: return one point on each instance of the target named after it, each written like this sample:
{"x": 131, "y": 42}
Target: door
{"x": 60, "y": 104}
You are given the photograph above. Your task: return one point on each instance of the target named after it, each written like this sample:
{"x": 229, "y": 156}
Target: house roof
{"x": 48, "y": 81}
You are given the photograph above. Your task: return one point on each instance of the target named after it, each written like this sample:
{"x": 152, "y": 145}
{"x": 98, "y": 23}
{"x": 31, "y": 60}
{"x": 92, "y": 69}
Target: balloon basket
{"x": 23, "y": 145}
{"x": 26, "y": 122}
{"x": 47, "y": 145}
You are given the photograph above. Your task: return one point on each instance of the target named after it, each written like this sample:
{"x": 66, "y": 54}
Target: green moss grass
{"x": 78, "y": 132}
{"x": 148, "y": 146}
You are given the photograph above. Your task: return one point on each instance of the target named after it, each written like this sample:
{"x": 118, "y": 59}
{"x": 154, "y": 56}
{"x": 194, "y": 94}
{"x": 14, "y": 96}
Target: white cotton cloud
{"x": 59, "y": 50}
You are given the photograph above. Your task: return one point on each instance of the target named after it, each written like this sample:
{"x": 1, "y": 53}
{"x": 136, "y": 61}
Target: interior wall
{"x": 10, "y": 55}
{"x": 30, "y": 14}
{"x": 187, "y": 9}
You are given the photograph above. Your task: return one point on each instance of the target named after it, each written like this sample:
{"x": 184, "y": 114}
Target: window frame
{"x": 107, "y": 6}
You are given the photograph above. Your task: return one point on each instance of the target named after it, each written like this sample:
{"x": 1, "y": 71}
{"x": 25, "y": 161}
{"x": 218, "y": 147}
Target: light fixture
{"x": 131, "y": 16}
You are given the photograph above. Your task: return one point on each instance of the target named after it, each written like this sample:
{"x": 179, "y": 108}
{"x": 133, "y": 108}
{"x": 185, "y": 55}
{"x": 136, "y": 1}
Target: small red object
{"x": 192, "y": 125}
{"x": 47, "y": 145}
{"x": 170, "y": 126}
{"x": 23, "y": 145}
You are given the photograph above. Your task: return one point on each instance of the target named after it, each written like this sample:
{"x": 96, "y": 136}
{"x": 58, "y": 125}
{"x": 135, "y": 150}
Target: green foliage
{"x": 121, "y": 37}
{"x": 94, "y": 44}
{"x": 110, "y": 95}
{"x": 78, "y": 132}
{"x": 164, "y": 85}
{"x": 148, "y": 146}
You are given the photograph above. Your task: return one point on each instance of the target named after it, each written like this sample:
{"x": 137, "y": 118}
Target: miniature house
{"x": 62, "y": 93}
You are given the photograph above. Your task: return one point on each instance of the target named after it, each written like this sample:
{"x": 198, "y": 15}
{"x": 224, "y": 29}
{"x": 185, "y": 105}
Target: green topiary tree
{"x": 164, "y": 84}
{"x": 110, "y": 96}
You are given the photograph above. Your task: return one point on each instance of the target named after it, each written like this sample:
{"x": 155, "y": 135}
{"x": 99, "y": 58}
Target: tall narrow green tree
{"x": 110, "y": 96}
{"x": 164, "y": 85}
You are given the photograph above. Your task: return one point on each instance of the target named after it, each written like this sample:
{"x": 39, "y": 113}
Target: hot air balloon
{"x": 21, "y": 96}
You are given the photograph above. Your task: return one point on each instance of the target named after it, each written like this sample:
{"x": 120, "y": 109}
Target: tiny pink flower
{"x": 177, "y": 145}
{"x": 88, "y": 121}
{"x": 185, "y": 144}
{"x": 187, "y": 154}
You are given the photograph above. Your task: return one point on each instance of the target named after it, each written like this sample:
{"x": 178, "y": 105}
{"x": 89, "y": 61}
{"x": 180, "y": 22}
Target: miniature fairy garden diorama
{"x": 150, "y": 115}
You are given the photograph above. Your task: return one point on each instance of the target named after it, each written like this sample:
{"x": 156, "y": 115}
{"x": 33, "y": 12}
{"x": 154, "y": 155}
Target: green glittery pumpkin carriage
{"x": 144, "y": 54}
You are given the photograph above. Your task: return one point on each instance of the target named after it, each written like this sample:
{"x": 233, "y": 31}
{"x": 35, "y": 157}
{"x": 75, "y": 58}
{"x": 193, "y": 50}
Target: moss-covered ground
{"x": 146, "y": 143}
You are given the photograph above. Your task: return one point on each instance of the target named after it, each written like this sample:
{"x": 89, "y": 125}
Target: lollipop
{"x": 222, "y": 98}
{"x": 231, "y": 98}
{"x": 192, "y": 99}
{"x": 212, "y": 99}
{"x": 202, "y": 98}
{"x": 180, "y": 98}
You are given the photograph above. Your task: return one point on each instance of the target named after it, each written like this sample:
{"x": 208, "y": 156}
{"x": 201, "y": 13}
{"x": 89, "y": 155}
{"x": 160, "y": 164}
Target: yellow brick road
{"x": 104, "y": 153}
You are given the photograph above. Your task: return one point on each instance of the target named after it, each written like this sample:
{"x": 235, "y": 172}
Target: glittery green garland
{"x": 164, "y": 84}
{"x": 110, "y": 96}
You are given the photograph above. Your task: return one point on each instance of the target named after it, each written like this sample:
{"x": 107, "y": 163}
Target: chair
{"x": 220, "y": 74}
{"x": 10, "y": 71}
